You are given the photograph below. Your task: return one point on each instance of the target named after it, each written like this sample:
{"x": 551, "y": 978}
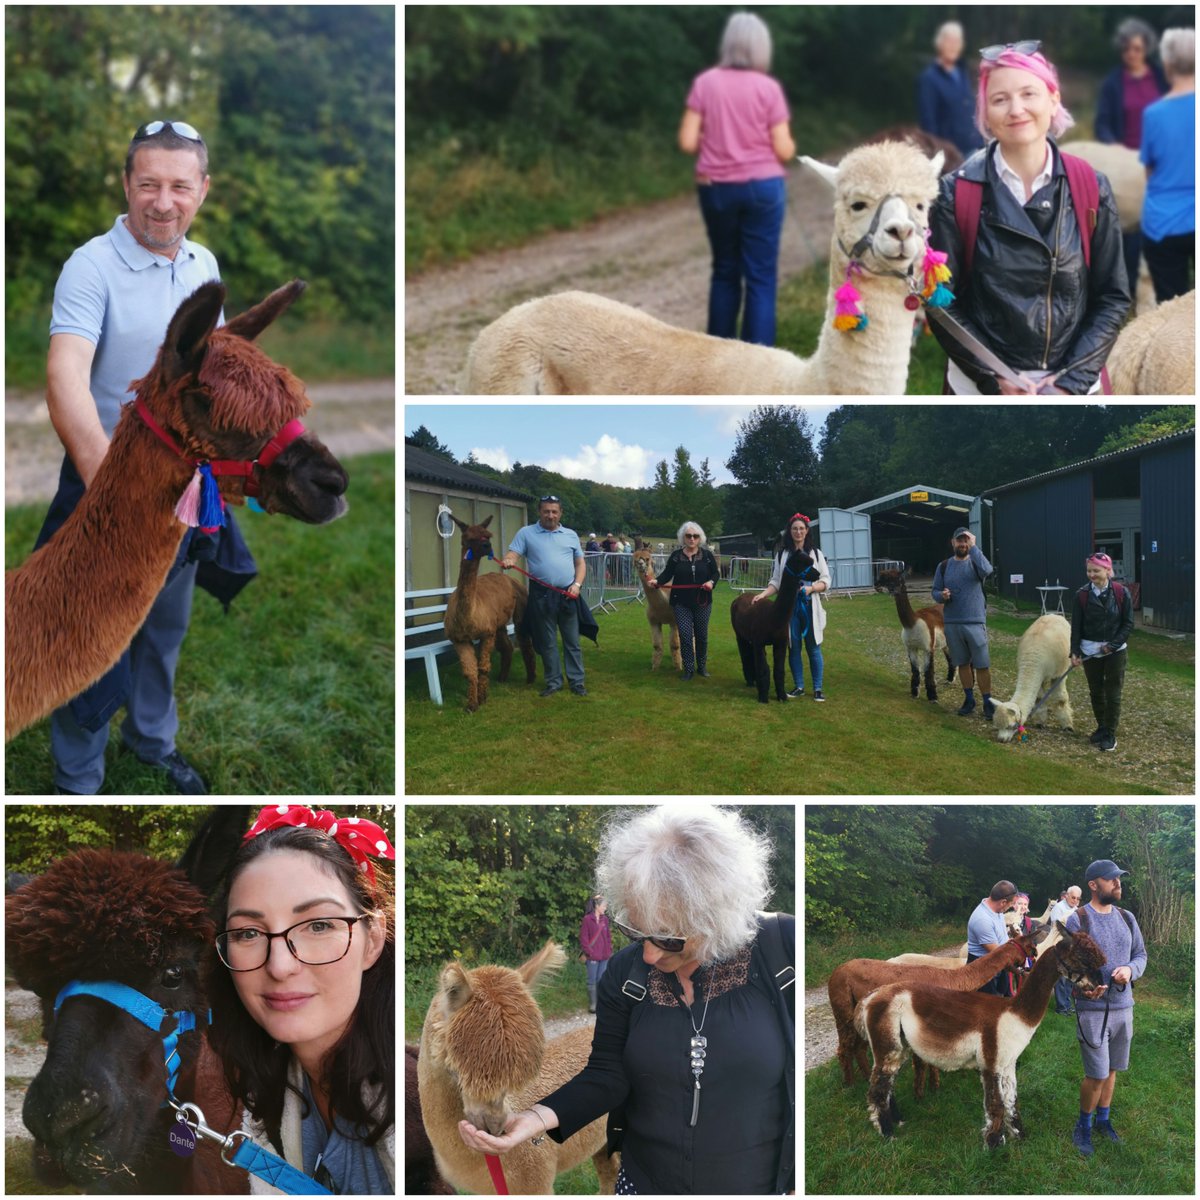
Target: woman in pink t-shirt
{"x": 737, "y": 118}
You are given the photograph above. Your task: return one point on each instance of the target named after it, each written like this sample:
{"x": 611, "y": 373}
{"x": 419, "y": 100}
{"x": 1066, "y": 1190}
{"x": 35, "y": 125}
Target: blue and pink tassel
{"x": 201, "y": 505}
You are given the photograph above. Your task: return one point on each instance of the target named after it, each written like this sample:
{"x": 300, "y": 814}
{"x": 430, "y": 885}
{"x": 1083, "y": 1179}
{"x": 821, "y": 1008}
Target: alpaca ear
{"x": 826, "y": 172}
{"x": 545, "y": 962}
{"x": 459, "y": 523}
{"x": 188, "y": 333}
{"x": 455, "y": 986}
{"x": 1063, "y": 929}
{"x": 488, "y": 521}
{"x": 938, "y": 160}
{"x": 254, "y": 320}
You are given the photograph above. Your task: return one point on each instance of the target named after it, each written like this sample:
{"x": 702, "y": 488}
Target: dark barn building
{"x": 1137, "y": 505}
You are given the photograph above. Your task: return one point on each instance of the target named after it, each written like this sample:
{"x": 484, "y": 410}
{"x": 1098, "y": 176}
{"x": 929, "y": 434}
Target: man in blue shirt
{"x": 1105, "y": 1015}
{"x": 112, "y": 304}
{"x": 986, "y": 930}
{"x": 958, "y": 585}
{"x": 552, "y": 553}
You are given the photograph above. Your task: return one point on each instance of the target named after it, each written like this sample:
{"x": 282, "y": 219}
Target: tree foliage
{"x": 296, "y": 105}
{"x": 1160, "y": 423}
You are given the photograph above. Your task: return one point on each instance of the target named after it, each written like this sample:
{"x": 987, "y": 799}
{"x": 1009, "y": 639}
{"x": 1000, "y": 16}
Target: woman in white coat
{"x": 807, "y": 627}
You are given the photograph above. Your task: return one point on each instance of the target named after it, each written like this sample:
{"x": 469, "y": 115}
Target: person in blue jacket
{"x": 945, "y": 95}
{"x": 958, "y": 587}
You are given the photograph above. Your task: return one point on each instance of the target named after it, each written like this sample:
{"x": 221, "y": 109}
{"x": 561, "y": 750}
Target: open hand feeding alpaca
{"x": 74, "y": 605}
{"x": 479, "y": 610}
{"x": 574, "y": 343}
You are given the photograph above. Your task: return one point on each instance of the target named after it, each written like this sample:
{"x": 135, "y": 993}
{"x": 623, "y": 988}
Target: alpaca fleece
{"x": 60, "y": 928}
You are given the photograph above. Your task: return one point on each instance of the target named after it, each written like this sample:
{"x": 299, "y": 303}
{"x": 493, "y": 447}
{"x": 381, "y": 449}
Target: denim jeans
{"x": 744, "y": 221}
{"x": 816, "y": 660}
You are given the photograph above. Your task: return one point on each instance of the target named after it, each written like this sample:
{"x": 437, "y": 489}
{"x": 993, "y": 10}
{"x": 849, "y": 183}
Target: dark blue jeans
{"x": 744, "y": 221}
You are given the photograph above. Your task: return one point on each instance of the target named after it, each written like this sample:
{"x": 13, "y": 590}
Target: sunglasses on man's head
{"x": 180, "y": 127}
{"x": 991, "y": 53}
{"x": 672, "y": 945}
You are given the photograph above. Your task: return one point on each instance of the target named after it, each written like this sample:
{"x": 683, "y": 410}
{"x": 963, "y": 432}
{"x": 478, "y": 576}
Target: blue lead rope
{"x": 275, "y": 1171}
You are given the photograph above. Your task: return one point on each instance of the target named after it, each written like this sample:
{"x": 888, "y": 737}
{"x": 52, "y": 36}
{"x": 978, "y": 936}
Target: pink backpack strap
{"x": 968, "y": 201}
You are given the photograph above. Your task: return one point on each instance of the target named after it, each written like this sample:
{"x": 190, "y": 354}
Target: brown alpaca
{"x": 479, "y": 609}
{"x": 74, "y": 606}
{"x": 854, "y": 980}
{"x": 765, "y": 624}
{"x": 923, "y": 632}
{"x": 484, "y": 1056}
{"x": 95, "y": 1108}
{"x": 658, "y": 609}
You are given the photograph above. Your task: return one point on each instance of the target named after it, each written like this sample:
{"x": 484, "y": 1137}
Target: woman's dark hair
{"x": 255, "y": 1064}
{"x": 784, "y": 544}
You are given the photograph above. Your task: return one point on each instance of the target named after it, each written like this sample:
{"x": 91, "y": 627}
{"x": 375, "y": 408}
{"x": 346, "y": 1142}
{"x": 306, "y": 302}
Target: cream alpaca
{"x": 1043, "y": 654}
{"x": 1155, "y": 355}
{"x": 574, "y": 343}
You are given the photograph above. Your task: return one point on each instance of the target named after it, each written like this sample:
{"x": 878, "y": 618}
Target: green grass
{"x": 940, "y": 1150}
{"x": 292, "y": 692}
{"x": 869, "y": 738}
{"x": 317, "y": 350}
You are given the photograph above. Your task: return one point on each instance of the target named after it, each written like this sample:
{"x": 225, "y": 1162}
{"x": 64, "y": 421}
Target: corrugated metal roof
{"x": 431, "y": 468}
{"x": 1088, "y": 463}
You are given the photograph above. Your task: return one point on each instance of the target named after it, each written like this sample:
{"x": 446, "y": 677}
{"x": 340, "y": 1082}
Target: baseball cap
{"x": 959, "y": 532}
{"x": 1103, "y": 868}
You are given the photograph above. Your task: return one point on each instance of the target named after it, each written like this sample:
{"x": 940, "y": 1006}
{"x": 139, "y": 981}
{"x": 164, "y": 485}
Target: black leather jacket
{"x": 1029, "y": 296}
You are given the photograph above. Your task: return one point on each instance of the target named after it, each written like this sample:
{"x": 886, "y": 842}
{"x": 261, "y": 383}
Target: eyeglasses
{"x": 687, "y": 535}
{"x": 315, "y": 942}
{"x": 672, "y": 945}
{"x": 991, "y": 53}
{"x": 180, "y": 127}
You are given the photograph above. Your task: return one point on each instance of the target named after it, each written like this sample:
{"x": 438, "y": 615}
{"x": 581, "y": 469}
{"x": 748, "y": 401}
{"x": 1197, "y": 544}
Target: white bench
{"x": 430, "y": 650}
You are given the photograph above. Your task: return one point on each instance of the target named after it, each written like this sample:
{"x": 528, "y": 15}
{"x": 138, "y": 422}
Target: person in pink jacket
{"x": 595, "y": 937}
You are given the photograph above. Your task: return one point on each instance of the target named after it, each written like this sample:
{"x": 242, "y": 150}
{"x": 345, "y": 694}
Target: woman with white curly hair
{"x": 693, "y": 1051}
{"x": 693, "y": 572}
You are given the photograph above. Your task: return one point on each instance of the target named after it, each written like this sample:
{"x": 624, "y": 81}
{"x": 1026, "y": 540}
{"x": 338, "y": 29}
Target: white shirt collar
{"x": 1013, "y": 181}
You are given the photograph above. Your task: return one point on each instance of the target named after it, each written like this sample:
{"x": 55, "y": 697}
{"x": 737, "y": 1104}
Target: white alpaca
{"x": 1125, "y": 173}
{"x": 1155, "y": 355}
{"x": 574, "y": 343}
{"x": 1043, "y": 654}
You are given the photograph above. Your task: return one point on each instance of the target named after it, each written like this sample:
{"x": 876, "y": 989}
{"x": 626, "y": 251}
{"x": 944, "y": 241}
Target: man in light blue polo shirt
{"x": 552, "y": 553}
{"x": 986, "y": 930}
{"x": 112, "y": 304}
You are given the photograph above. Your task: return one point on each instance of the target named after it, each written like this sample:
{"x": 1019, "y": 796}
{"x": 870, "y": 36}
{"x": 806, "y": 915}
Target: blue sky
{"x": 609, "y": 443}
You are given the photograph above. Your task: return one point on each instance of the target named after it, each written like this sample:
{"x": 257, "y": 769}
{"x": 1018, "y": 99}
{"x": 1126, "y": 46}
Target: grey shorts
{"x": 1113, "y": 1052}
{"x": 968, "y": 644}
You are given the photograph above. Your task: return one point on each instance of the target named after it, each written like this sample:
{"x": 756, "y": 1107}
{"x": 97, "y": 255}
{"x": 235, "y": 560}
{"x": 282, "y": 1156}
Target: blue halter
{"x": 145, "y": 1010}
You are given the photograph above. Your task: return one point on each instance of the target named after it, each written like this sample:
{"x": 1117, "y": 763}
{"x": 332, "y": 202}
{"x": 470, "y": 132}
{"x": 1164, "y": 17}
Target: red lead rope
{"x": 493, "y": 1165}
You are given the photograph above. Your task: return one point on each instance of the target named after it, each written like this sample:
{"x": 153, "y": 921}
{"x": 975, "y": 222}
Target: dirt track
{"x": 655, "y": 258}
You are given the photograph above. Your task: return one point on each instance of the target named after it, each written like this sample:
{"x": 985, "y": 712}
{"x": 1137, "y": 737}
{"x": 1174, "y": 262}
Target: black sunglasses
{"x": 672, "y": 945}
{"x": 180, "y": 127}
{"x": 991, "y": 53}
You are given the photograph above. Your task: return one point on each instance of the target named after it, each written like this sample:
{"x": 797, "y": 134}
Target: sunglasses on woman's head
{"x": 991, "y": 53}
{"x": 672, "y": 945}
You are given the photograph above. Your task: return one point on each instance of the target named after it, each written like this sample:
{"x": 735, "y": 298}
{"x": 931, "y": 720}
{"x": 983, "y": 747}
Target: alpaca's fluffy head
{"x": 896, "y": 175}
{"x": 1006, "y": 719}
{"x": 101, "y": 914}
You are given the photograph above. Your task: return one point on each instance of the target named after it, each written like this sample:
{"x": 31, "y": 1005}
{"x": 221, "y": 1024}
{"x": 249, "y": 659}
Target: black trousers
{"x": 997, "y": 985}
{"x": 1168, "y": 261}
{"x": 1105, "y": 676}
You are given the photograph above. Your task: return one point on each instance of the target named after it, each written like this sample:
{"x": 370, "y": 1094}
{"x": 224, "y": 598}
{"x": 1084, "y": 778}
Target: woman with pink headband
{"x": 1038, "y": 283}
{"x": 1101, "y": 622}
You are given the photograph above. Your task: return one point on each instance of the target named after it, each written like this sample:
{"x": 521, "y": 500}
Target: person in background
{"x": 737, "y": 120}
{"x": 945, "y": 94}
{"x": 1169, "y": 155}
{"x": 1023, "y": 925}
{"x": 1067, "y": 904}
{"x": 593, "y": 546}
{"x": 595, "y": 937}
{"x": 986, "y": 930}
{"x": 1127, "y": 91}
{"x": 1101, "y": 622}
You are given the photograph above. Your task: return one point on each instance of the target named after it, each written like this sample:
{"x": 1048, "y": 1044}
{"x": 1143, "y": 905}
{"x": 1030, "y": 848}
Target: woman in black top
{"x": 693, "y": 1058}
{"x": 693, "y": 566}
{"x": 1101, "y": 622}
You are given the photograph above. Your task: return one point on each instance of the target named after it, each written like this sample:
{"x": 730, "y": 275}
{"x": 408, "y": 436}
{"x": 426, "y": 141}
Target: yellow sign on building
{"x": 916, "y": 497}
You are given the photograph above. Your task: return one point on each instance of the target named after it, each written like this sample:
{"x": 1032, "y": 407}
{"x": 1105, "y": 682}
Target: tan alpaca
{"x": 479, "y": 609}
{"x": 484, "y": 1056}
{"x": 658, "y": 609}
{"x": 73, "y": 607}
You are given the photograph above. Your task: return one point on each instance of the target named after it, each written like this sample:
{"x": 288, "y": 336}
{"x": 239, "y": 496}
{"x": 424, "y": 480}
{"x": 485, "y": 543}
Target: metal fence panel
{"x": 749, "y": 574}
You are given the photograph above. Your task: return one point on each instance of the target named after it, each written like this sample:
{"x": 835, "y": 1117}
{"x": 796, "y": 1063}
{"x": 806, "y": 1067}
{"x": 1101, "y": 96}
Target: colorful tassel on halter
{"x": 201, "y": 506}
{"x": 937, "y": 275}
{"x": 849, "y": 315}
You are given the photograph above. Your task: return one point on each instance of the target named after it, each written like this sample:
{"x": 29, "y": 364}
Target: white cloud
{"x": 610, "y": 461}
{"x": 497, "y": 458}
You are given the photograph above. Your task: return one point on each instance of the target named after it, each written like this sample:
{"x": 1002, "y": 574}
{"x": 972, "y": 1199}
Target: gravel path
{"x": 21, "y": 1061}
{"x": 655, "y": 258}
{"x": 350, "y": 418}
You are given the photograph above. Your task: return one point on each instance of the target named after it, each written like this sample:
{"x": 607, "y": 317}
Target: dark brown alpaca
{"x": 94, "y": 1108}
{"x": 923, "y": 632}
{"x": 479, "y": 609}
{"x": 74, "y": 605}
{"x": 765, "y": 624}
{"x": 859, "y": 977}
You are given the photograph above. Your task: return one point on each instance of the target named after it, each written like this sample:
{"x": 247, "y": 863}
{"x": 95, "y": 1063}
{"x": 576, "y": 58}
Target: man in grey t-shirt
{"x": 958, "y": 586}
